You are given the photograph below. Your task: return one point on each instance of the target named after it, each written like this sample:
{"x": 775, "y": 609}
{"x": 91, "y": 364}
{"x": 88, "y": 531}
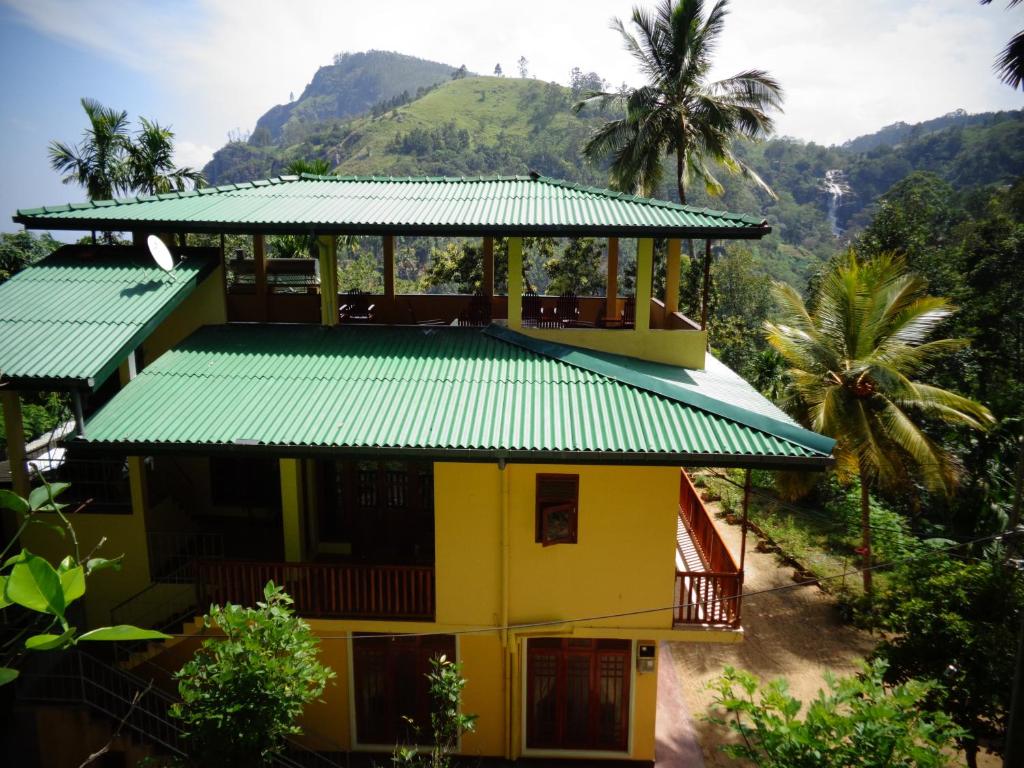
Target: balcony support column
{"x": 11, "y": 403}
{"x": 293, "y": 509}
{"x": 327, "y": 247}
{"x": 611, "y": 309}
{"x": 515, "y": 283}
{"x": 487, "y": 287}
{"x": 672, "y": 276}
{"x": 644, "y": 272}
{"x": 259, "y": 262}
{"x": 389, "y": 272}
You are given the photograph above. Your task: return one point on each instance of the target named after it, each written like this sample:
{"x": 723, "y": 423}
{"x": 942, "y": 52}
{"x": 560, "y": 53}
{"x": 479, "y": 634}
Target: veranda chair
{"x": 533, "y": 312}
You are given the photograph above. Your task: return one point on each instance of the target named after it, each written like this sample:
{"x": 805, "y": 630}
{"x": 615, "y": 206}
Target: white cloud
{"x": 192, "y": 155}
{"x": 848, "y": 68}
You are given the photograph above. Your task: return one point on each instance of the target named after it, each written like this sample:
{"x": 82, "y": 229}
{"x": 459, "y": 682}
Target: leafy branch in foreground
{"x": 44, "y": 592}
{"x": 856, "y": 721}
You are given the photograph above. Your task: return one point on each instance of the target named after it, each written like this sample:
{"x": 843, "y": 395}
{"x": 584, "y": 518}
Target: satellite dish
{"x": 161, "y": 255}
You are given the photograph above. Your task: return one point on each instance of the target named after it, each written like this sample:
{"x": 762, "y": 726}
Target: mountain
{"x": 486, "y": 125}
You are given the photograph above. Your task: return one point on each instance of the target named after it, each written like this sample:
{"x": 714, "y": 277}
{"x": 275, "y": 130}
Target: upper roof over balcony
{"x": 376, "y": 205}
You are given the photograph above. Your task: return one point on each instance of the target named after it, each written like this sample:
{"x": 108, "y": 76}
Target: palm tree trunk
{"x": 681, "y": 189}
{"x": 865, "y": 529}
{"x": 705, "y": 294}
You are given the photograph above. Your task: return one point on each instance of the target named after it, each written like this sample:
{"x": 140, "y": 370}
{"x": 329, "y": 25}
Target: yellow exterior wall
{"x": 205, "y": 306}
{"x": 672, "y": 347}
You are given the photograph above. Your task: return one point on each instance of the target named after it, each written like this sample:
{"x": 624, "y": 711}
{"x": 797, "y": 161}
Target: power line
{"x": 674, "y": 607}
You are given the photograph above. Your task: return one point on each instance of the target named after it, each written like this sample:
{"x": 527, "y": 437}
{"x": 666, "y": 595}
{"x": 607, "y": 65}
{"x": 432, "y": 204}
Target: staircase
{"x": 78, "y": 678}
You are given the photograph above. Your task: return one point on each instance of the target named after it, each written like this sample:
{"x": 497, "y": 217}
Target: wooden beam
{"x": 611, "y": 310}
{"x": 644, "y": 272}
{"x": 488, "y": 282}
{"x": 389, "y": 270}
{"x": 259, "y": 259}
{"x": 672, "y": 276}
{"x": 515, "y": 282}
{"x": 15, "y": 441}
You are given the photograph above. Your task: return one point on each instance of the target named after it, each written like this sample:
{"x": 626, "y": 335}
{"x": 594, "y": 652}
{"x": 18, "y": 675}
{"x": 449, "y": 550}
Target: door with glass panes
{"x": 577, "y": 694}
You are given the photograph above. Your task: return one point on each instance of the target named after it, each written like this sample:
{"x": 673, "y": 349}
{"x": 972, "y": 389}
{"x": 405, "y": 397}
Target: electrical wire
{"x": 674, "y": 607}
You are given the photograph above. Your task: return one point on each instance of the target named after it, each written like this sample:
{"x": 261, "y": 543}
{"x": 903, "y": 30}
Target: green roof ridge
{"x": 622, "y": 369}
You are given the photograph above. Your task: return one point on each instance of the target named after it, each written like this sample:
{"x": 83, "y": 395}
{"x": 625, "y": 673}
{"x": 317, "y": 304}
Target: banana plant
{"x": 47, "y": 591}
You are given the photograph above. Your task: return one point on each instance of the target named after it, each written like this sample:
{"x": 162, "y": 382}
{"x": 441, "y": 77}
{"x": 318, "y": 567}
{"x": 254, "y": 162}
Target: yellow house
{"x": 503, "y": 483}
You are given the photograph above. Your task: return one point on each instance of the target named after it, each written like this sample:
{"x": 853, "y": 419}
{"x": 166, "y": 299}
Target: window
{"x": 557, "y": 509}
{"x": 390, "y": 684}
{"x": 577, "y": 694}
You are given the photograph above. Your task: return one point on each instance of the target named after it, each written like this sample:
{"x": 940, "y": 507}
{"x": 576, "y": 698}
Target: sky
{"x": 207, "y": 67}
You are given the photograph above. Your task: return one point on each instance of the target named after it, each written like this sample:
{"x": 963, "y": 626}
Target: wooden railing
{"x": 710, "y": 596}
{"x": 325, "y": 590}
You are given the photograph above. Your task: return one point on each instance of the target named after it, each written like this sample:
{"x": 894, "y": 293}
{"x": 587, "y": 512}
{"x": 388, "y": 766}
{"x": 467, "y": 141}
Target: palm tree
{"x": 850, "y": 376}
{"x": 318, "y": 167}
{"x": 97, "y": 163}
{"x": 680, "y": 111}
{"x": 150, "y": 162}
{"x": 1010, "y": 64}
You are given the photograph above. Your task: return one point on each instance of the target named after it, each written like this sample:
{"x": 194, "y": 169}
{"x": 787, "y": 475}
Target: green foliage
{"x": 31, "y": 583}
{"x": 22, "y": 249}
{"x": 447, "y": 723}
{"x": 956, "y": 621}
{"x": 241, "y": 694}
{"x": 577, "y": 269}
{"x": 739, "y": 306}
{"x": 856, "y": 721}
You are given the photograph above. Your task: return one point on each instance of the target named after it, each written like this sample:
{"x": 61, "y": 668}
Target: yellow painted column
{"x": 15, "y": 441}
{"x": 644, "y": 267}
{"x": 292, "y": 509}
{"x": 672, "y": 276}
{"x": 515, "y": 282}
{"x": 328, "y": 253}
{"x": 137, "y": 485}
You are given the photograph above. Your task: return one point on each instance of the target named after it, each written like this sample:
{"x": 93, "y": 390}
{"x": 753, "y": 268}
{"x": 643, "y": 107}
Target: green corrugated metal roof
{"x": 506, "y": 205}
{"x": 457, "y": 391}
{"x": 69, "y": 320}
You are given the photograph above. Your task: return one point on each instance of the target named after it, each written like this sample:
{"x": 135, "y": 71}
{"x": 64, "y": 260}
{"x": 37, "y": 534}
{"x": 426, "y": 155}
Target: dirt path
{"x": 795, "y": 634}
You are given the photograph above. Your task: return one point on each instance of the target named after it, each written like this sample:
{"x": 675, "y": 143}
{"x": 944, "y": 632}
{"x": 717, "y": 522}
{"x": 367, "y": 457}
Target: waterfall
{"x": 836, "y": 187}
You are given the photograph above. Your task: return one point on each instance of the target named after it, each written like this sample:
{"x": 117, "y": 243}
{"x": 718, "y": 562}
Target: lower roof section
{"x": 68, "y": 321}
{"x": 458, "y": 393}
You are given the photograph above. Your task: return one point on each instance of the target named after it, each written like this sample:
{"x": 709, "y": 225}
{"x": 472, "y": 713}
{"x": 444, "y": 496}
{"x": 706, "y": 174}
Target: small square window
{"x": 557, "y": 509}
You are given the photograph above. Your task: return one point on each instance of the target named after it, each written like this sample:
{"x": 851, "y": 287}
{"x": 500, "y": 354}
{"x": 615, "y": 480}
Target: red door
{"x": 577, "y": 694}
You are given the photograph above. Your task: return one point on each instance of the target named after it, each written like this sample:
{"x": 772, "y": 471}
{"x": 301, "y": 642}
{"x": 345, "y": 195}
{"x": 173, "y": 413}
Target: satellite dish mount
{"x": 161, "y": 254}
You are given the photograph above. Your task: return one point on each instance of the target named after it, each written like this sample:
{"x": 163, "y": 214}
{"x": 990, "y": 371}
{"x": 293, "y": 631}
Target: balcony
{"x": 324, "y": 590}
{"x": 709, "y": 584}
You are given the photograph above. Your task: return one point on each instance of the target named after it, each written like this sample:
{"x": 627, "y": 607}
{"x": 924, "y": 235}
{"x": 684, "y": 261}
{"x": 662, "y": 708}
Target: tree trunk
{"x": 865, "y": 528}
{"x": 971, "y": 753}
{"x": 681, "y": 189}
{"x": 705, "y": 294}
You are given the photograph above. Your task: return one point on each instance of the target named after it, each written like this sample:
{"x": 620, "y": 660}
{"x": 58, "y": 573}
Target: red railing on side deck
{"x": 710, "y": 596}
{"x": 325, "y": 590}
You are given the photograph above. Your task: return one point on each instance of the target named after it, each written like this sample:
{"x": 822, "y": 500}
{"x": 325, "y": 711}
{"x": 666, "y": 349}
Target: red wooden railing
{"x": 710, "y": 596}
{"x": 325, "y": 590}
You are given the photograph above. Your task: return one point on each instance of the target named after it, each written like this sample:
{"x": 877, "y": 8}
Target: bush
{"x": 241, "y": 694}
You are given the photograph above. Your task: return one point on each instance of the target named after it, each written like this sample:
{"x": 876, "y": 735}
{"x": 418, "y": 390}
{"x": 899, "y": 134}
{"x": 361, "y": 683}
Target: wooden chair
{"x": 356, "y": 308}
{"x": 629, "y": 313}
{"x": 533, "y": 312}
{"x": 567, "y": 311}
{"x": 478, "y": 312}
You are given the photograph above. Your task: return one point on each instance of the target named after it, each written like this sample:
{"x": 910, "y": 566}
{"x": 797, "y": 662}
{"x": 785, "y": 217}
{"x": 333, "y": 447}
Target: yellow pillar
{"x": 515, "y": 282}
{"x": 259, "y": 259}
{"x": 15, "y": 441}
{"x": 328, "y": 253}
{"x": 644, "y": 267}
{"x": 292, "y": 509}
{"x": 611, "y": 310}
{"x": 488, "y": 282}
{"x": 389, "y": 271}
{"x": 137, "y": 484}
{"x": 672, "y": 276}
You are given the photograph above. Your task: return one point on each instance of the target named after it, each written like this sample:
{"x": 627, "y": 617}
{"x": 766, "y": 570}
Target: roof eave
{"x": 740, "y": 232}
{"x": 739, "y": 461}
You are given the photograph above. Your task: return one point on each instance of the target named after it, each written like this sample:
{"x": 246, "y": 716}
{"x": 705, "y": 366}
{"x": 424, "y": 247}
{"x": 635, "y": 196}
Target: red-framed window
{"x": 577, "y": 694}
{"x": 557, "y": 509}
{"x": 390, "y": 683}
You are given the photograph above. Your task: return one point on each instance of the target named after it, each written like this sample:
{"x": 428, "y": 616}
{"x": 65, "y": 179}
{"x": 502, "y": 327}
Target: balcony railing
{"x": 710, "y": 595}
{"x": 325, "y": 590}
